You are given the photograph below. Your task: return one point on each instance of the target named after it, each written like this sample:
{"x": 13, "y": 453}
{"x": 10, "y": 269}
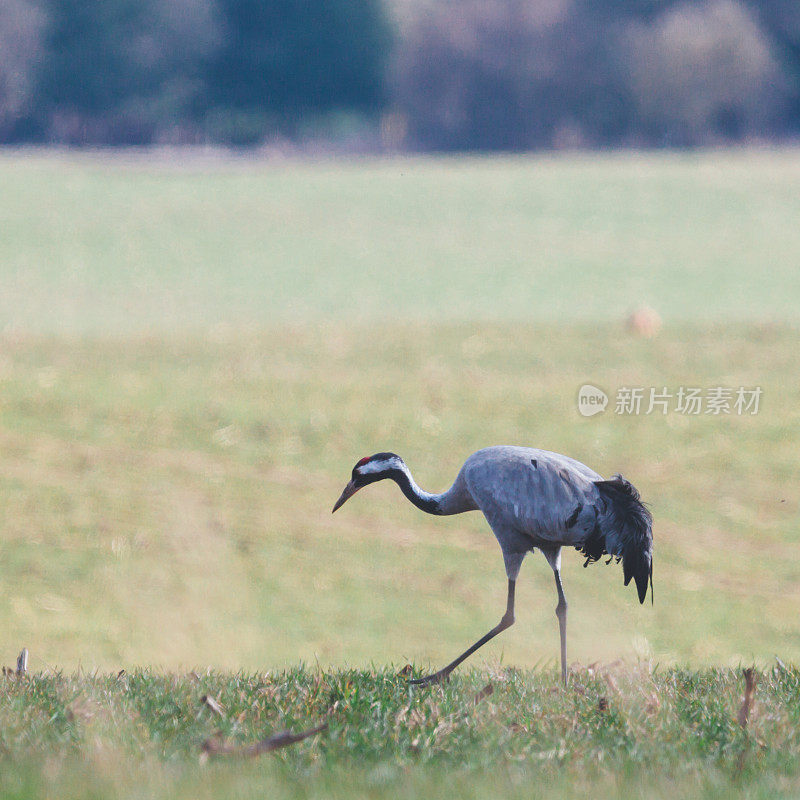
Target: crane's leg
{"x": 554, "y": 560}
{"x": 561, "y": 613}
{"x": 506, "y": 622}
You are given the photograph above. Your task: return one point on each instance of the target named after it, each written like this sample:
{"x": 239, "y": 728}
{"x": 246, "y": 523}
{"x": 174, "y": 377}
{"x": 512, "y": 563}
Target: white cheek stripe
{"x": 378, "y": 466}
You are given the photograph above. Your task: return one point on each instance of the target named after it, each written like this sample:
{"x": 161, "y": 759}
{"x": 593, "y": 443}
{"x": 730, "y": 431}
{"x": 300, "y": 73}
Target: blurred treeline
{"x": 415, "y": 74}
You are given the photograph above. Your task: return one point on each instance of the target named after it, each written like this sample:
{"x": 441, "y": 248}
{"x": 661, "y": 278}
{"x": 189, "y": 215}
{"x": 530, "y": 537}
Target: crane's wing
{"x": 546, "y": 496}
{"x": 535, "y": 498}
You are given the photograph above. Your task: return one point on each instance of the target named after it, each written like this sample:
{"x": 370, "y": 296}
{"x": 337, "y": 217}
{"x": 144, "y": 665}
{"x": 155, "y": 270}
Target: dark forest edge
{"x": 368, "y": 76}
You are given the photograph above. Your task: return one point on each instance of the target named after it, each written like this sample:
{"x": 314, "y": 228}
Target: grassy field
{"x": 664, "y": 734}
{"x": 167, "y": 502}
{"x": 92, "y": 244}
{"x": 192, "y": 358}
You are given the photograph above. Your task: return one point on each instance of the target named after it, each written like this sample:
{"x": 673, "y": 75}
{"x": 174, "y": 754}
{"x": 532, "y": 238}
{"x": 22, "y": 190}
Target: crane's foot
{"x": 442, "y": 676}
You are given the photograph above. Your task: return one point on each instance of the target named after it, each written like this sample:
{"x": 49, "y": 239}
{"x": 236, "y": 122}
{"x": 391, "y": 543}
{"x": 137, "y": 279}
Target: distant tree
{"x": 285, "y": 59}
{"x": 516, "y": 74}
{"x": 781, "y": 21}
{"x": 462, "y": 74}
{"x": 507, "y": 74}
{"x": 697, "y": 72}
{"x": 117, "y": 71}
{"x": 781, "y": 18}
{"x": 622, "y": 10}
{"x": 22, "y": 26}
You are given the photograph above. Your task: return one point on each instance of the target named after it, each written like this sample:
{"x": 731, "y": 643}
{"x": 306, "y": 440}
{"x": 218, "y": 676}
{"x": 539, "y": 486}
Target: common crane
{"x": 533, "y": 499}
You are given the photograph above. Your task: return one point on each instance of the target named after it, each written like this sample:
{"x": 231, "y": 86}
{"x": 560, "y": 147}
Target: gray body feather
{"x": 538, "y": 499}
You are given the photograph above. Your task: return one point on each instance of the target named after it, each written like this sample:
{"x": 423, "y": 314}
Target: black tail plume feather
{"x": 626, "y": 530}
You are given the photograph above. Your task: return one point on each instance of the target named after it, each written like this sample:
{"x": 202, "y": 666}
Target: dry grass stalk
{"x": 487, "y": 691}
{"x": 22, "y": 662}
{"x": 749, "y": 692}
{"x": 218, "y": 747}
{"x": 208, "y": 701}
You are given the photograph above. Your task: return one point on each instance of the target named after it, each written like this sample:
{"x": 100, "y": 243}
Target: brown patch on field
{"x": 644, "y": 321}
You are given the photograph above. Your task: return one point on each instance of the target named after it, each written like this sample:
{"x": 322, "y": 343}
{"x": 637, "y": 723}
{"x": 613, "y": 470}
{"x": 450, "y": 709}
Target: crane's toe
{"x": 438, "y": 677}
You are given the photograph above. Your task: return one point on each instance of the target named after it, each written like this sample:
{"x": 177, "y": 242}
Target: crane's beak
{"x": 348, "y": 492}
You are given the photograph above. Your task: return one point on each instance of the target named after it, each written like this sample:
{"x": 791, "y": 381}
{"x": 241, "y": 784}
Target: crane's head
{"x": 368, "y": 470}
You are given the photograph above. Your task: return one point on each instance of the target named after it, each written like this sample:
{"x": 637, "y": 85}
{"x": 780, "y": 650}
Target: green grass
{"x": 98, "y": 244}
{"x": 630, "y": 732}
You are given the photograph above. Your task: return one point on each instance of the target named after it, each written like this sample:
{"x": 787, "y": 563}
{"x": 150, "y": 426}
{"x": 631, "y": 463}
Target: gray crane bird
{"x": 532, "y": 499}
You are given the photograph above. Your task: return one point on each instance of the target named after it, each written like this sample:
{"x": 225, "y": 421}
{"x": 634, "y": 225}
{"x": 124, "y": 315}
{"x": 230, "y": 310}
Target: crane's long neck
{"x": 449, "y": 502}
